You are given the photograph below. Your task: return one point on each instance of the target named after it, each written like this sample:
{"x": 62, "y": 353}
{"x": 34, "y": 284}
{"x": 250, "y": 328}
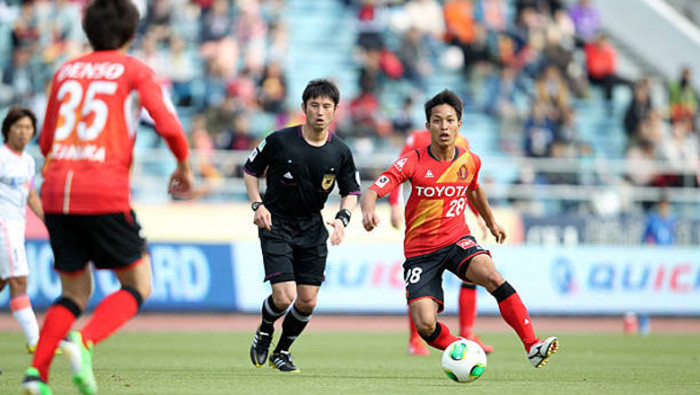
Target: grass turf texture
{"x": 362, "y": 363}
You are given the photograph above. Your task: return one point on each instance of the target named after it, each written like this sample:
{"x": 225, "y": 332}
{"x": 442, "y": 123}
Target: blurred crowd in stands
{"x": 525, "y": 64}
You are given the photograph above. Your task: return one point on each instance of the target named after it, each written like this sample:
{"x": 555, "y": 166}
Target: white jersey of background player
{"x": 17, "y": 169}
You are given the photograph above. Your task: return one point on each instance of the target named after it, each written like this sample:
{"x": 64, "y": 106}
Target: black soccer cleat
{"x": 284, "y": 362}
{"x": 260, "y": 348}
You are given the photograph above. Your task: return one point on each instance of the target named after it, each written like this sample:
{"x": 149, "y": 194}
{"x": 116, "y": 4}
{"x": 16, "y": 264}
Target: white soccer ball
{"x": 464, "y": 361}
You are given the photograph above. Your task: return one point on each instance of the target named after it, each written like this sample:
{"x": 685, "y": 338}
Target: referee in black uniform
{"x": 302, "y": 164}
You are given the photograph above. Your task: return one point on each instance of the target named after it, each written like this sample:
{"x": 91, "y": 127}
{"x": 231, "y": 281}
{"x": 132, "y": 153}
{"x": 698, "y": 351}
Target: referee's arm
{"x": 347, "y": 204}
{"x": 261, "y": 217}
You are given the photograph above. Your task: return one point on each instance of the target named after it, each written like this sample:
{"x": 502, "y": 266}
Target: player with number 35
{"x": 88, "y": 138}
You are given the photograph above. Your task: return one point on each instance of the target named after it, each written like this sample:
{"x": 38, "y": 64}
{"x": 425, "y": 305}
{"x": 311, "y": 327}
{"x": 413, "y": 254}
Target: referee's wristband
{"x": 344, "y": 216}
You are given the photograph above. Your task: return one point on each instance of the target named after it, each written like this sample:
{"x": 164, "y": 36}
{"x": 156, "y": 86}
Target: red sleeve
{"x": 159, "y": 107}
{"x": 396, "y": 196}
{"x": 395, "y": 175}
{"x": 49, "y": 125}
{"x": 477, "y": 166}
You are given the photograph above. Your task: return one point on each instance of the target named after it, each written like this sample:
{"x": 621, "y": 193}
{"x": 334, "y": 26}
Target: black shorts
{"x": 110, "y": 241}
{"x": 423, "y": 273}
{"x": 295, "y": 250}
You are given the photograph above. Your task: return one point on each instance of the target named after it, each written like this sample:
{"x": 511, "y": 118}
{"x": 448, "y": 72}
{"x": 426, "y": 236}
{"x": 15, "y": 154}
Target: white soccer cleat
{"x": 540, "y": 352}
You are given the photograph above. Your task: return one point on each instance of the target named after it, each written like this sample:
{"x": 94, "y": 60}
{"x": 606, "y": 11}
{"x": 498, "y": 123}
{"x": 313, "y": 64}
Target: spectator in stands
{"x": 586, "y": 20}
{"x": 180, "y": 70}
{"x": 460, "y": 28}
{"x": 272, "y": 89}
{"x": 641, "y": 159}
{"x": 427, "y": 17}
{"x": 681, "y": 151}
{"x": 500, "y": 92}
{"x": 370, "y": 26}
{"x": 244, "y": 88}
{"x": 26, "y": 29}
{"x": 639, "y": 112}
{"x": 567, "y": 131}
{"x": 367, "y": 118}
{"x": 19, "y": 78}
{"x": 250, "y": 31}
{"x": 403, "y": 121}
{"x": 493, "y": 14}
{"x": 239, "y": 133}
{"x": 539, "y": 131}
{"x": 218, "y": 45}
{"x": 203, "y": 151}
{"x": 661, "y": 225}
{"x": 414, "y": 56}
{"x": 278, "y": 41}
{"x": 159, "y": 17}
{"x": 601, "y": 61}
{"x": 220, "y": 118}
{"x": 683, "y": 99}
{"x": 370, "y": 76}
{"x": 149, "y": 52}
{"x": 551, "y": 88}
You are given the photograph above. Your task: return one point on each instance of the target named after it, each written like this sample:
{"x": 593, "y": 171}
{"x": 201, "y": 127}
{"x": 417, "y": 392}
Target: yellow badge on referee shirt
{"x": 327, "y": 182}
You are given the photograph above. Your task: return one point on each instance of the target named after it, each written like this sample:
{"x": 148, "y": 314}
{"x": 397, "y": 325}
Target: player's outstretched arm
{"x": 478, "y": 198}
{"x": 368, "y": 204}
{"x": 181, "y": 181}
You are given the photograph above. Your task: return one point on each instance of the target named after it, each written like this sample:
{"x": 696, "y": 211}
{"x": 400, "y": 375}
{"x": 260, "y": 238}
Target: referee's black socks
{"x": 270, "y": 314}
{"x": 294, "y": 323}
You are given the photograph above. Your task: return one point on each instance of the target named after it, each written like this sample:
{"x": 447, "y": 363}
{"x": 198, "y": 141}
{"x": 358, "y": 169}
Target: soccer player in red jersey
{"x": 88, "y": 138}
{"x": 467, "y": 292}
{"x": 443, "y": 177}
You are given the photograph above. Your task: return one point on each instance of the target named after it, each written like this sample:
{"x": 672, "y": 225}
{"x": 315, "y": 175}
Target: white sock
{"x": 27, "y": 320}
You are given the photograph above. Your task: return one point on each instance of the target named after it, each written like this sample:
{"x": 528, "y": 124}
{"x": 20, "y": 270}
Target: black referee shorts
{"x": 110, "y": 241}
{"x": 295, "y": 250}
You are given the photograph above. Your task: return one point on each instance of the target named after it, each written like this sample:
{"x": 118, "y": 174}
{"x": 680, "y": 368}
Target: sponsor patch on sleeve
{"x": 381, "y": 181}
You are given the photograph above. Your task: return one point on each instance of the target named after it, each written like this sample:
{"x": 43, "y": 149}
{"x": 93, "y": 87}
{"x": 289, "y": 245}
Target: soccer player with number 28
{"x": 443, "y": 176}
{"x": 87, "y": 138}
{"x": 467, "y": 292}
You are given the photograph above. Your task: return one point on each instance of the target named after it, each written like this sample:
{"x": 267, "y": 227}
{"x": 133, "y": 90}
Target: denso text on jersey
{"x": 93, "y": 71}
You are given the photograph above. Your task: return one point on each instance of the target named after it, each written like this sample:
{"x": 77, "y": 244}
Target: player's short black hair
{"x": 109, "y": 24}
{"x": 319, "y": 88}
{"x": 14, "y": 114}
{"x": 445, "y": 97}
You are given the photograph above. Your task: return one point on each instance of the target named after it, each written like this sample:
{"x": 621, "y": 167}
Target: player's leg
{"x": 76, "y": 288}
{"x": 467, "y": 315}
{"x": 70, "y": 260}
{"x": 110, "y": 314}
{"x": 14, "y": 270}
{"x": 481, "y": 270}
{"x": 425, "y": 297}
{"x": 416, "y": 345}
{"x": 22, "y": 311}
{"x": 424, "y": 312}
{"x": 117, "y": 308}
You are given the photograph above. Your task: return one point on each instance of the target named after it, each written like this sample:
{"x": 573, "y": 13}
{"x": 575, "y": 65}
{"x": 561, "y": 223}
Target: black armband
{"x": 344, "y": 216}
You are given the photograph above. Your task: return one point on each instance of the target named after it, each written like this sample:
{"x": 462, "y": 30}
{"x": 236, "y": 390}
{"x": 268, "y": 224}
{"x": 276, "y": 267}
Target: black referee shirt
{"x": 300, "y": 176}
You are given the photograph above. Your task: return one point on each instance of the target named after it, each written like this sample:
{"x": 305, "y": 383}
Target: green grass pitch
{"x": 370, "y": 363}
